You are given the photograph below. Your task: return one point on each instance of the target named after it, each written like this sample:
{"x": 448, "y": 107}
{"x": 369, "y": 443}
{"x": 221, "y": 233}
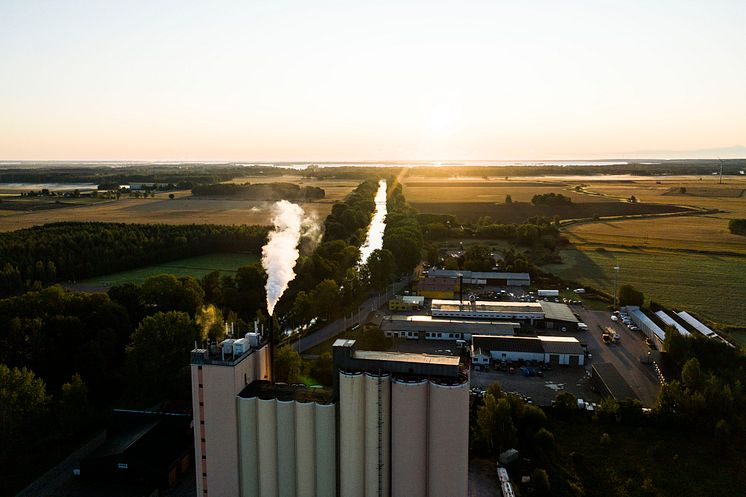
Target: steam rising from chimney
{"x": 280, "y": 254}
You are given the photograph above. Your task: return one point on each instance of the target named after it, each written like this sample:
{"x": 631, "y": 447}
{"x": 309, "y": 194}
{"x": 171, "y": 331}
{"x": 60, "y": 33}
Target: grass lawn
{"x": 713, "y": 287}
{"x": 193, "y": 266}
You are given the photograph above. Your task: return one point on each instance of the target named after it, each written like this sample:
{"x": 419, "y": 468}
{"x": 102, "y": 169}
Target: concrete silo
{"x": 377, "y": 434}
{"x": 351, "y": 434}
{"x": 247, "y": 447}
{"x": 409, "y": 413}
{"x": 448, "y": 438}
{"x": 305, "y": 447}
{"x": 326, "y": 452}
{"x": 266, "y": 418}
{"x": 285, "y": 447}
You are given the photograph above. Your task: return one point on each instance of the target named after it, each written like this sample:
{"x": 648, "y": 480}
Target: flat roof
{"x": 615, "y": 383}
{"x": 405, "y": 357}
{"x": 561, "y": 345}
{"x": 486, "y": 305}
{"x": 263, "y": 389}
{"x": 479, "y": 275}
{"x": 508, "y": 344}
{"x": 671, "y": 322}
{"x": 558, "y": 312}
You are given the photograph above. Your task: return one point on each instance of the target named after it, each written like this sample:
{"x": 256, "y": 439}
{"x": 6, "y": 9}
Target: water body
{"x": 374, "y": 239}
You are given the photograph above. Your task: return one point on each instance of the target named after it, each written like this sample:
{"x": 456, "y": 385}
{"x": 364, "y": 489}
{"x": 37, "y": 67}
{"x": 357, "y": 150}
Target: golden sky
{"x": 351, "y": 80}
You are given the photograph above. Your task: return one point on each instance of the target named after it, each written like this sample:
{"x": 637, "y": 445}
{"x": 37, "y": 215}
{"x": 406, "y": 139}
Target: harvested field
{"x": 520, "y": 212}
{"x": 192, "y": 266}
{"x": 712, "y": 286}
{"x": 496, "y": 192}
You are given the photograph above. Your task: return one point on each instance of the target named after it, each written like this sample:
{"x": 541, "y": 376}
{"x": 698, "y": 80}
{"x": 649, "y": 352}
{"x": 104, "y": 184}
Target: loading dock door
{"x": 574, "y": 360}
{"x": 554, "y": 358}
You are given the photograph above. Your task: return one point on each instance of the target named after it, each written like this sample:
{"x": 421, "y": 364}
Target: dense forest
{"x": 37, "y": 256}
{"x": 259, "y": 191}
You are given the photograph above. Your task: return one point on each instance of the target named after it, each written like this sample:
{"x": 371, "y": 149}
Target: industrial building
{"x": 648, "y": 327}
{"x": 491, "y": 278}
{"x": 550, "y": 315}
{"x": 669, "y": 321}
{"x": 610, "y": 383}
{"x": 407, "y": 303}
{"x": 438, "y": 288}
{"x": 547, "y": 349}
{"x": 395, "y": 424}
{"x": 430, "y": 328}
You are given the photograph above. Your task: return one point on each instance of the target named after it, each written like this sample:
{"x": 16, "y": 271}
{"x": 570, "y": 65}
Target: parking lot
{"x": 625, "y": 355}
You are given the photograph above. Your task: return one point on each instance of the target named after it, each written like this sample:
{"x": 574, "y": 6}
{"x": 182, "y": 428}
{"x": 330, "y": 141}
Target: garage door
{"x": 554, "y": 358}
{"x": 574, "y": 360}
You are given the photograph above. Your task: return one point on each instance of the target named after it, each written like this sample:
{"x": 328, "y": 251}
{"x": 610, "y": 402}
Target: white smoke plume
{"x": 280, "y": 254}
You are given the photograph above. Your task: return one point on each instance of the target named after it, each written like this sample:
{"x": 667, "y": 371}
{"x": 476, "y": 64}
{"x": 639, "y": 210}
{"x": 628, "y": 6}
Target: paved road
{"x": 625, "y": 356}
{"x": 335, "y": 328}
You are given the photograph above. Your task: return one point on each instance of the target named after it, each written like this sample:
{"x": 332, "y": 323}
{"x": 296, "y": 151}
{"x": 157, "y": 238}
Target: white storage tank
{"x": 240, "y": 347}
{"x": 351, "y": 434}
{"x": 448, "y": 439}
{"x": 409, "y": 438}
{"x": 377, "y": 428}
{"x": 253, "y": 339}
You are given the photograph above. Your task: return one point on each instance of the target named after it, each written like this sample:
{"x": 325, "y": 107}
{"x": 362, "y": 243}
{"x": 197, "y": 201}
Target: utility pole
{"x": 616, "y": 282}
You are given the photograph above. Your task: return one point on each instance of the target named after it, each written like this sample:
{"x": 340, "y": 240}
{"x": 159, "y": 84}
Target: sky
{"x": 275, "y": 80}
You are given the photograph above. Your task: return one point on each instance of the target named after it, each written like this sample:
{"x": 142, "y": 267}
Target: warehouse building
{"x": 438, "y": 288}
{"x": 491, "y": 278}
{"x": 395, "y": 424}
{"x": 407, "y": 303}
{"x": 610, "y": 383}
{"x": 546, "y": 349}
{"x": 548, "y": 315}
{"x": 648, "y": 327}
{"x": 669, "y": 321}
{"x": 432, "y": 328}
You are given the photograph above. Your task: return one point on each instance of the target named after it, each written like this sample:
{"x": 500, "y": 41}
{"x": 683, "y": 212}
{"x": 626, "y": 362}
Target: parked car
{"x": 614, "y": 317}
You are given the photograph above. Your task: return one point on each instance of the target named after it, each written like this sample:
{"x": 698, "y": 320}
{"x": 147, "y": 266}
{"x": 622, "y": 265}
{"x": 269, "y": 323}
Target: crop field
{"x": 183, "y": 209}
{"x": 520, "y": 212}
{"x": 488, "y": 191}
{"x": 192, "y": 266}
{"x": 714, "y": 287}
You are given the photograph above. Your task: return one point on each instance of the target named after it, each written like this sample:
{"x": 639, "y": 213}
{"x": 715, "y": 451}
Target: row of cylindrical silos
{"x": 402, "y": 437}
{"x": 286, "y": 448}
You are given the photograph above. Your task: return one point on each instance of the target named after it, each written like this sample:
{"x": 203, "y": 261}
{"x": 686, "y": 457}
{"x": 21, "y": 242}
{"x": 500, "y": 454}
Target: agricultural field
{"x": 183, "y": 209}
{"x": 192, "y": 266}
{"x": 711, "y": 286}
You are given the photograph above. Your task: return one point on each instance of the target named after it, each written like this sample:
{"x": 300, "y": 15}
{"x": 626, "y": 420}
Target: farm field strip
{"x": 192, "y": 266}
{"x": 709, "y": 285}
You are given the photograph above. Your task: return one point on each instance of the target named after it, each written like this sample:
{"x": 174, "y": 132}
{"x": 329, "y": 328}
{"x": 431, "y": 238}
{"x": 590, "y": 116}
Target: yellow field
{"x": 184, "y": 209}
{"x": 707, "y": 233}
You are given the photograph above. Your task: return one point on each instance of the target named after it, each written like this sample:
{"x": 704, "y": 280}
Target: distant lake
{"x": 55, "y": 187}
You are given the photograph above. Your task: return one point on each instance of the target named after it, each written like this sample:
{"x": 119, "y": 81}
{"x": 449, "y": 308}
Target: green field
{"x": 711, "y": 286}
{"x": 193, "y": 266}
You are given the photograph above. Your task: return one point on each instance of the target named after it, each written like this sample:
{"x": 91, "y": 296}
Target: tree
{"x": 23, "y": 403}
{"x": 171, "y": 196}
{"x": 508, "y": 199}
{"x": 288, "y": 365}
{"x": 629, "y": 296}
{"x": 691, "y": 374}
{"x": 565, "y": 402}
{"x": 380, "y": 269}
{"x": 322, "y": 369}
{"x": 495, "y": 424}
{"x": 326, "y": 298}
{"x": 74, "y": 410}
{"x": 159, "y": 349}
{"x": 540, "y": 482}
{"x": 166, "y": 292}
{"x": 478, "y": 258}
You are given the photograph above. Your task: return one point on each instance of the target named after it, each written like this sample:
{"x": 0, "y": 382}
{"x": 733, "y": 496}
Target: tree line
{"x": 37, "y": 256}
{"x": 259, "y": 191}
{"x": 737, "y": 226}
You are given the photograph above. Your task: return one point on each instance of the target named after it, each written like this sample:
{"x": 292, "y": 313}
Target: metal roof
{"x": 561, "y": 345}
{"x": 428, "y": 323}
{"x": 372, "y": 355}
{"x": 671, "y": 322}
{"x": 485, "y": 306}
{"x": 558, "y": 312}
{"x": 508, "y": 344}
{"x": 479, "y": 275}
{"x": 617, "y": 386}
{"x": 696, "y": 324}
